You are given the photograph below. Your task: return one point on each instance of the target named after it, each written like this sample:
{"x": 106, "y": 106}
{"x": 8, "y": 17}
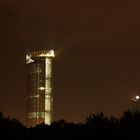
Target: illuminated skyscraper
{"x": 39, "y": 87}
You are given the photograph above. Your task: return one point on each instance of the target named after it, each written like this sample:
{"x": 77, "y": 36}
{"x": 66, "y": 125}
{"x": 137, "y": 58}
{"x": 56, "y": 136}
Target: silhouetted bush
{"x": 96, "y": 126}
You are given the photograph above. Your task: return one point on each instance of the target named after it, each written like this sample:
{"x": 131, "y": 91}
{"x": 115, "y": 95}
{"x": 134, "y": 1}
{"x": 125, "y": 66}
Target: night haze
{"x": 97, "y": 48}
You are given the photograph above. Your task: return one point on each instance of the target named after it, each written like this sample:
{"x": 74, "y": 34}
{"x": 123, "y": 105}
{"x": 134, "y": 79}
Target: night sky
{"x": 97, "y": 45}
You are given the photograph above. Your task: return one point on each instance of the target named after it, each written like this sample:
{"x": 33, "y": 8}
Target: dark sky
{"x": 97, "y": 46}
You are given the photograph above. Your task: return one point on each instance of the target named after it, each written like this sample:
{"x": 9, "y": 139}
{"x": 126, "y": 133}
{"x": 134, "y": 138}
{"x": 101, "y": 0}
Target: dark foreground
{"x": 96, "y": 126}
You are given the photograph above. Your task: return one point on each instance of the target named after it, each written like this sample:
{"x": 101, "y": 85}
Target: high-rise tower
{"x": 39, "y": 87}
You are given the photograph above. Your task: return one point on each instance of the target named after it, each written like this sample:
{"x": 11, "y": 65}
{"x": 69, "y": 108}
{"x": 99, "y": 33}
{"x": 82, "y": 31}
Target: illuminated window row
{"x": 34, "y": 96}
{"x": 36, "y": 115}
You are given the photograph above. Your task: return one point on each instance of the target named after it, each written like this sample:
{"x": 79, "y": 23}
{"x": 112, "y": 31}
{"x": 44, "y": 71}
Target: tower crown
{"x": 41, "y": 53}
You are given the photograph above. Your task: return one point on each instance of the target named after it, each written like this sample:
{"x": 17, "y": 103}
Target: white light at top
{"x": 29, "y": 59}
{"x": 137, "y": 97}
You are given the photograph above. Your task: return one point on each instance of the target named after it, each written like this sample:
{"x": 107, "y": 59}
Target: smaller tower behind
{"x": 135, "y": 103}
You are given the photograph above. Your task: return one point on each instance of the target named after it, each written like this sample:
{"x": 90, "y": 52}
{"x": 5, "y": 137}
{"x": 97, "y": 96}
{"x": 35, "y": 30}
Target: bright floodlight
{"x": 42, "y": 88}
{"x": 137, "y": 97}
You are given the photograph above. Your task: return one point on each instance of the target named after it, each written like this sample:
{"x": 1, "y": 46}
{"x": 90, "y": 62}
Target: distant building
{"x": 39, "y": 87}
{"x": 135, "y": 102}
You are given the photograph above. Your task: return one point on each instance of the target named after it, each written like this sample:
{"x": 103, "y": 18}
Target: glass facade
{"x": 39, "y": 89}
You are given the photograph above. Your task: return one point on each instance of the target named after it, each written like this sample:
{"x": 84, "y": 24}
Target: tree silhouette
{"x": 96, "y": 126}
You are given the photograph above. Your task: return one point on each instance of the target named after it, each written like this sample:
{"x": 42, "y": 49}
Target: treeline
{"x": 96, "y": 126}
